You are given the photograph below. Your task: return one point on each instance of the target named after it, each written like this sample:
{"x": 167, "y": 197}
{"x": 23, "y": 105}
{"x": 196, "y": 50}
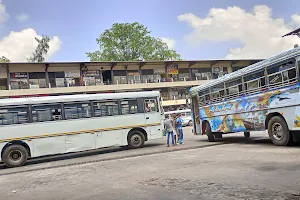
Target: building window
{"x": 37, "y": 80}
{"x": 133, "y": 76}
{"x": 19, "y": 80}
{"x": 120, "y": 77}
{"x": 3, "y": 83}
{"x": 147, "y": 75}
{"x": 92, "y": 77}
{"x": 184, "y": 75}
{"x": 56, "y": 79}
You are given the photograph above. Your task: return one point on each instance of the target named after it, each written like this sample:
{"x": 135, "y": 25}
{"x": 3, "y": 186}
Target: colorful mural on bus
{"x": 248, "y": 113}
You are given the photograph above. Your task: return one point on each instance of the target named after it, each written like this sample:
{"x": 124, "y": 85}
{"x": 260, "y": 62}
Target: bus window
{"x": 129, "y": 107}
{"x": 41, "y": 113}
{"x": 254, "y": 81}
{"x": 217, "y": 91}
{"x": 234, "y": 88}
{"x": 282, "y": 73}
{"x": 106, "y": 108}
{"x": 77, "y": 110}
{"x": 151, "y": 105}
{"x": 14, "y": 115}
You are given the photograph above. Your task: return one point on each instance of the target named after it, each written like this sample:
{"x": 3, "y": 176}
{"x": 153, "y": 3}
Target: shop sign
{"x": 92, "y": 73}
{"x": 172, "y": 69}
{"x": 72, "y": 74}
{"x": 159, "y": 71}
{"x": 29, "y": 95}
{"x": 19, "y": 75}
{"x": 133, "y": 73}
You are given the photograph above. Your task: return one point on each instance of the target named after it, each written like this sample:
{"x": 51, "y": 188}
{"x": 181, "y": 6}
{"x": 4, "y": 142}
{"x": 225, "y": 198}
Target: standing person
{"x": 169, "y": 129}
{"x": 175, "y": 129}
{"x": 178, "y": 124}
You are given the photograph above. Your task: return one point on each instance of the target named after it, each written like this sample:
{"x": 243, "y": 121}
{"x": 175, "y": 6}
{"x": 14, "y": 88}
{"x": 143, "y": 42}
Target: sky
{"x": 215, "y": 29}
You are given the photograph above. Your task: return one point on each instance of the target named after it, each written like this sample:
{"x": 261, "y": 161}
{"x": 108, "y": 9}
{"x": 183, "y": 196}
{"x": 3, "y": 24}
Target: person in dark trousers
{"x": 169, "y": 129}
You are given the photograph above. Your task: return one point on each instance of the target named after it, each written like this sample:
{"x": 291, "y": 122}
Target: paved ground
{"x": 233, "y": 169}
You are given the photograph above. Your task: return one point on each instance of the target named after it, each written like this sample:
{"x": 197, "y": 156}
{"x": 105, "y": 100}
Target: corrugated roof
{"x": 247, "y": 70}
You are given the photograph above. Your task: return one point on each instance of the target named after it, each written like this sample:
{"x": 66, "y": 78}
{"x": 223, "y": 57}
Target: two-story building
{"x": 171, "y": 78}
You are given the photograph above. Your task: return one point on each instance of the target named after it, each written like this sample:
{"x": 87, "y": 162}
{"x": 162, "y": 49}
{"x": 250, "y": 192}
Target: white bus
{"x": 38, "y": 126}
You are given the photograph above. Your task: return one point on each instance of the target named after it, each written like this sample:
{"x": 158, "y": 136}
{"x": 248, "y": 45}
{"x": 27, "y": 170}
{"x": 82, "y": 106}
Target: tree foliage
{"x": 3, "y": 59}
{"x": 41, "y": 50}
{"x": 130, "y": 42}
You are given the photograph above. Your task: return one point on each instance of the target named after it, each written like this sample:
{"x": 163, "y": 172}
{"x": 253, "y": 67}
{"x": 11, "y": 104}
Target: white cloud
{"x": 170, "y": 42}
{"x": 3, "y": 14}
{"x": 18, "y": 46}
{"x": 257, "y": 31}
{"x": 22, "y": 17}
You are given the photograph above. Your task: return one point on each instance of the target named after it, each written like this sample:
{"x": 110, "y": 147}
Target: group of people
{"x": 174, "y": 124}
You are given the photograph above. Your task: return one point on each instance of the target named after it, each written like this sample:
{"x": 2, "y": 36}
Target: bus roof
{"x": 77, "y": 97}
{"x": 247, "y": 70}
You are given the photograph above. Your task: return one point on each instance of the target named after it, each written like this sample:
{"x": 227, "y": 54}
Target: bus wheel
{"x": 210, "y": 135}
{"x": 247, "y": 134}
{"x": 136, "y": 139}
{"x": 278, "y": 131}
{"x": 15, "y": 155}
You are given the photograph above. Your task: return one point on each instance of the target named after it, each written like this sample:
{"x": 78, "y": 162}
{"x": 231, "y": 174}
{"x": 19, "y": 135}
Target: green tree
{"x": 41, "y": 50}
{"x": 3, "y": 59}
{"x": 130, "y": 42}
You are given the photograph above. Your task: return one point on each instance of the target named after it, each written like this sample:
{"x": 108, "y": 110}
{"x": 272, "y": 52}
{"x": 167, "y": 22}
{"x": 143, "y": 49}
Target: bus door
{"x": 153, "y": 117}
{"x": 196, "y": 116}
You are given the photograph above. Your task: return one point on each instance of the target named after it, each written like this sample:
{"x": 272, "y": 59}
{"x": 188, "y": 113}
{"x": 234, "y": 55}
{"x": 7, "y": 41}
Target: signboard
{"x": 92, "y": 73}
{"x": 133, "y": 73}
{"x": 29, "y": 95}
{"x": 19, "y": 75}
{"x": 172, "y": 69}
{"x": 72, "y": 74}
{"x": 159, "y": 71}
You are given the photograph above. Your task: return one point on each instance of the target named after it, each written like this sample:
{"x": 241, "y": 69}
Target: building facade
{"x": 171, "y": 78}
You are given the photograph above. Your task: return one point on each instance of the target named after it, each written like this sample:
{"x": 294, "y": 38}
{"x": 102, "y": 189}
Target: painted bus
{"x": 39, "y": 126}
{"x": 262, "y": 96}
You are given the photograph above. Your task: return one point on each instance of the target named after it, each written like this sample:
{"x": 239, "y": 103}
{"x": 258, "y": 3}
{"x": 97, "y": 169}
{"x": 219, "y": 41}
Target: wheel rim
{"x": 15, "y": 155}
{"x": 277, "y": 131}
{"x": 136, "y": 140}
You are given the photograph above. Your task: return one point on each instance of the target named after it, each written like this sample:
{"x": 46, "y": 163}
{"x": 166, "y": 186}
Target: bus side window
{"x": 282, "y": 73}
{"x": 129, "y": 107}
{"x": 41, "y": 113}
{"x": 204, "y": 97}
{"x": 77, "y": 110}
{"x": 234, "y": 88}
{"x": 150, "y": 105}
{"x": 109, "y": 108}
{"x": 14, "y": 115}
{"x": 254, "y": 81}
{"x": 217, "y": 92}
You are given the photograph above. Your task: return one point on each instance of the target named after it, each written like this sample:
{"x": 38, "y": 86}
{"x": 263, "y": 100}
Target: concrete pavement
{"x": 238, "y": 169}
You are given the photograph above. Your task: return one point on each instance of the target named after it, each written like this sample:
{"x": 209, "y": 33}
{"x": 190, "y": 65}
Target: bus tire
{"x": 278, "y": 131}
{"x": 15, "y": 155}
{"x": 135, "y": 139}
{"x": 246, "y": 134}
{"x": 210, "y": 135}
